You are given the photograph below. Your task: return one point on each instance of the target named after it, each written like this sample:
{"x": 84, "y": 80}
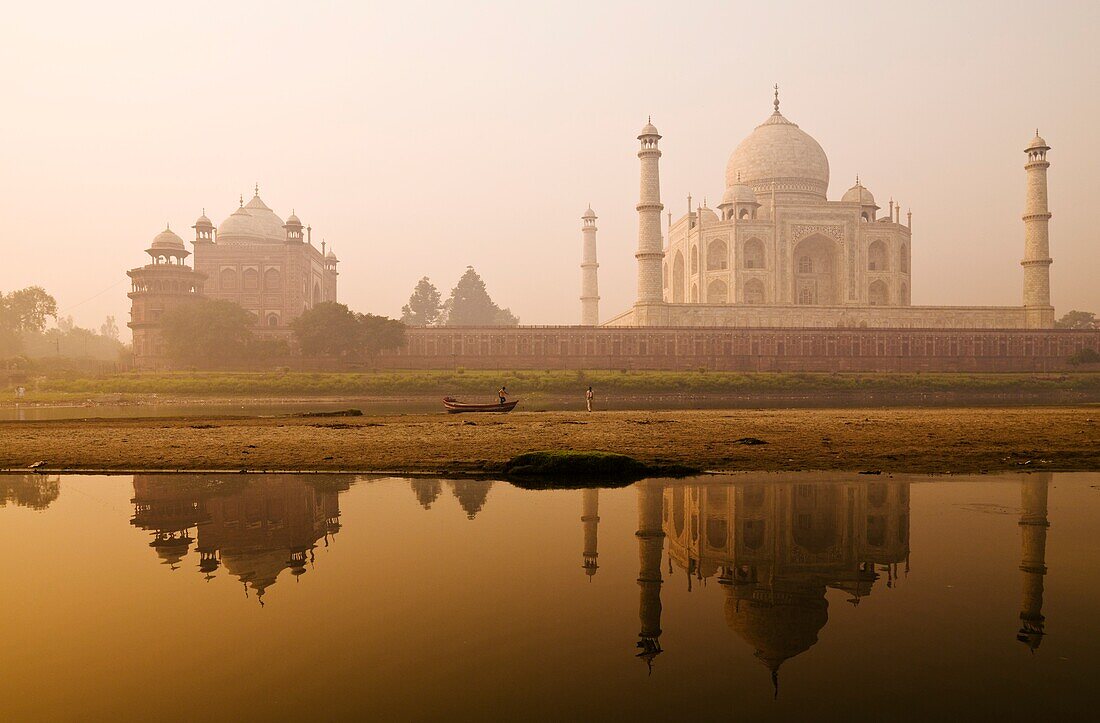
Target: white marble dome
{"x": 167, "y": 239}
{"x": 253, "y": 222}
{"x": 859, "y": 194}
{"x": 779, "y": 154}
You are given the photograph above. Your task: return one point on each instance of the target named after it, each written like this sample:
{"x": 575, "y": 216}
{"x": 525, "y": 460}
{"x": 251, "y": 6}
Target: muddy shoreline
{"x": 922, "y": 440}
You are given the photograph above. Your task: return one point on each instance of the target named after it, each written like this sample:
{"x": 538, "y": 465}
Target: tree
{"x": 26, "y": 309}
{"x": 109, "y": 329}
{"x": 425, "y": 305}
{"x": 328, "y": 329}
{"x": 206, "y": 331}
{"x": 470, "y": 304}
{"x": 23, "y": 311}
{"x": 381, "y": 333}
{"x": 1077, "y": 320}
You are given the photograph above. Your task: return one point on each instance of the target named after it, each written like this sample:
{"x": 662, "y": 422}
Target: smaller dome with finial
{"x": 589, "y": 213}
{"x": 649, "y": 130}
{"x": 167, "y": 239}
{"x": 1037, "y": 143}
{"x": 292, "y": 220}
{"x": 331, "y": 256}
{"x": 859, "y": 194}
{"x": 738, "y": 193}
{"x": 203, "y": 223}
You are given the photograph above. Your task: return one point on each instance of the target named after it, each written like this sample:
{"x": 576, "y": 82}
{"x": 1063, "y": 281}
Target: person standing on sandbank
{"x": 588, "y": 396}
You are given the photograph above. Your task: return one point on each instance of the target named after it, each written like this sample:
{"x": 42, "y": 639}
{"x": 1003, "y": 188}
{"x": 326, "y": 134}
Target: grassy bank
{"x": 526, "y": 383}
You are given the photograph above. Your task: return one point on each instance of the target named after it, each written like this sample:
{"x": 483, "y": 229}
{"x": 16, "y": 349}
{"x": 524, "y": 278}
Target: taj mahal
{"x": 778, "y": 253}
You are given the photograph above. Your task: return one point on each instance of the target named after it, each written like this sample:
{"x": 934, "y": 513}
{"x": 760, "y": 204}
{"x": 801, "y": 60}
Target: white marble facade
{"x": 777, "y": 252}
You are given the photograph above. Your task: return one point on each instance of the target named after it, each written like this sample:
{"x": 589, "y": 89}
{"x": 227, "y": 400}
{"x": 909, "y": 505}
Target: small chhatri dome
{"x": 649, "y": 130}
{"x": 292, "y": 220}
{"x": 203, "y": 223}
{"x": 330, "y": 255}
{"x": 859, "y": 194}
{"x": 589, "y": 213}
{"x": 738, "y": 193}
{"x": 167, "y": 239}
{"x": 1037, "y": 143}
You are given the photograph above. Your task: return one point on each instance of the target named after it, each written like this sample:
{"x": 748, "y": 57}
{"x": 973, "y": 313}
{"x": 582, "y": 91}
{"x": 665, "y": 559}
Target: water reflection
{"x": 35, "y": 491}
{"x": 776, "y": 548}
{"x": 1033, "y": 533}
{"x": 255, "y": 529}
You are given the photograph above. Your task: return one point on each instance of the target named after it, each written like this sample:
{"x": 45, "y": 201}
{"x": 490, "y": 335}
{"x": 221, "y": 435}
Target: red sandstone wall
{"x": 822, "y": 350}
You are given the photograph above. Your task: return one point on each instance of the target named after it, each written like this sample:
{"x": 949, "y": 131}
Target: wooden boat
{"x": 456, "y": 407}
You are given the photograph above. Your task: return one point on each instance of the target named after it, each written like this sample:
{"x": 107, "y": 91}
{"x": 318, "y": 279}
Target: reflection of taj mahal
{"x": 775, "y": 548}
{"x": 777, "y": 252}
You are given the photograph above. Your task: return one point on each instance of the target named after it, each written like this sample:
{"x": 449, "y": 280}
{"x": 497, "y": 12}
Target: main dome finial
{"x": 776, "y": 101}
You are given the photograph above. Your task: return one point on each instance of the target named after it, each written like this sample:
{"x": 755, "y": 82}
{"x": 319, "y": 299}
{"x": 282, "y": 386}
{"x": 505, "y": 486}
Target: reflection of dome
{"x": 253, "y": 222}
{"x": 859, "y": 194}
{"x": 779, "y": 152}
{"x": 778, "y": 629}
{"x": 256, "y": 568}
{"x": 167, "y": 239}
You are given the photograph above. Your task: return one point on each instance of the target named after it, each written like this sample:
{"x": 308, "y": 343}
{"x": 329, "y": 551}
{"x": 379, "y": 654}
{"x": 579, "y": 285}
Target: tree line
{"x": 219, "y": 332}
{"x": 24, "y": 315}
{"x": 468, "y": 305}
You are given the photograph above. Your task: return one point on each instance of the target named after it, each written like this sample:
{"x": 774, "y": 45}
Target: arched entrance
{"x": 816, "y": 278}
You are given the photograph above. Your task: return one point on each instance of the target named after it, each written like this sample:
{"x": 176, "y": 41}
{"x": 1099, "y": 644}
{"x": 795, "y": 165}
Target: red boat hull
{"x": 454, "y": 406}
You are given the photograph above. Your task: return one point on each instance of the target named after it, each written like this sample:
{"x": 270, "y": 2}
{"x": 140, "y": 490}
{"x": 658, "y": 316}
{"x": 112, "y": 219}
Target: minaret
{"x": 1033, "y": 534}
{"x": 590, "y": 292}
{"x": 650, "y": 243}
{"x": 1036, "y": 263}
{"x": 590, "y": 517}
{"x": 651, "y": 544}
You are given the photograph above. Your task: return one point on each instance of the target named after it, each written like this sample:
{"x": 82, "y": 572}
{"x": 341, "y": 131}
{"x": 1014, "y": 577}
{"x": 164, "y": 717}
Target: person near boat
{"x": 503, "y": 394}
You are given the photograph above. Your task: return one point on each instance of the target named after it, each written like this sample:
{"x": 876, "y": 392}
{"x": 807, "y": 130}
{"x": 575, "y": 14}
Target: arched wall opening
{"x": 717, "y": 292}
{"x": 817, "y": 271}
{"x": 717, "y": 255}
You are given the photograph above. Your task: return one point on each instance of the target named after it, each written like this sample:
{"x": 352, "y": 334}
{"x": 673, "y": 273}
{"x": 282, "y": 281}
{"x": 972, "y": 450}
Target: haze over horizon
{"x": 419, "y": 138}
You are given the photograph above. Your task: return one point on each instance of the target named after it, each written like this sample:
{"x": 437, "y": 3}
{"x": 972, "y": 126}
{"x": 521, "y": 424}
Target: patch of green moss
{"x": 565, "y": 469}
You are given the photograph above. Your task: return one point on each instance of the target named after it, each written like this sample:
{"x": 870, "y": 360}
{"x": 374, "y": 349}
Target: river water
{"x": 647, "y": 402}
{"x": 773, "y": 596}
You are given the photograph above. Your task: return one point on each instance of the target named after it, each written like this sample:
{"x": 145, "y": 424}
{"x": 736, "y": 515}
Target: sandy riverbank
{"x": 901, "y": 440}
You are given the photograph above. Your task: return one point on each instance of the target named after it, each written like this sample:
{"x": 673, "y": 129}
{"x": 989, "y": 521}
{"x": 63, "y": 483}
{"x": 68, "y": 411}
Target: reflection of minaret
{"x": 590, "y": 516}
{"x": 1033, "y": 533}
{"x": 651, "y": 544}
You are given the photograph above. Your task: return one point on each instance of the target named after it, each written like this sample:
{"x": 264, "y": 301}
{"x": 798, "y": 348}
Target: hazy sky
{"x": 421, "y": 137}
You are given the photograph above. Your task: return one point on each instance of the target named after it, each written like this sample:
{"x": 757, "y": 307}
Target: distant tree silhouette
{"x": 328, "y": 329}
{"x": 425, "y": 305}
{"x": 206, "y": 331}
{"x": 470, "y": 304}
{"x": 1077, "y": 320}
{"x": 332, "y": 329}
